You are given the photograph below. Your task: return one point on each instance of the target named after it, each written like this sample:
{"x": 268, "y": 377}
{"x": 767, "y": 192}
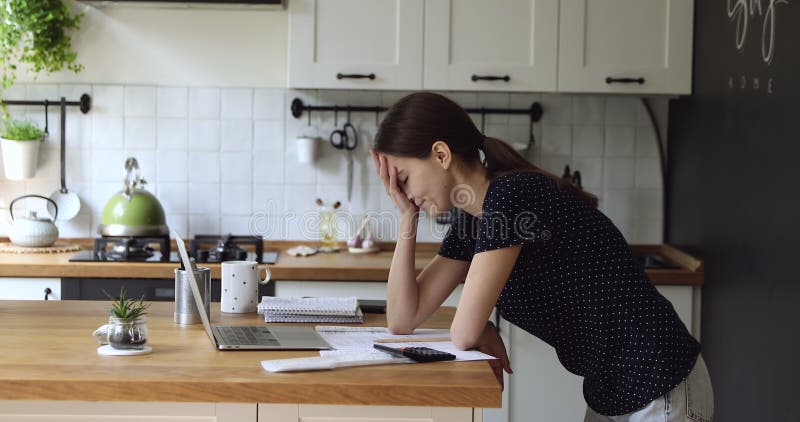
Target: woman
{"x": 551, "y": 263}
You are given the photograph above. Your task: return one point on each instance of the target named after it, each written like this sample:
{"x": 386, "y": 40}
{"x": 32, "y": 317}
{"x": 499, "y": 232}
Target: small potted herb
{"x": 20, "y": 141}
{"x": 127, "y": 324}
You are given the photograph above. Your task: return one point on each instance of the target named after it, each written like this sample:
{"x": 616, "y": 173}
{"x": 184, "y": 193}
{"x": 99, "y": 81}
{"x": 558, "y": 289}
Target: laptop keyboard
{"x": 246, "y": 335}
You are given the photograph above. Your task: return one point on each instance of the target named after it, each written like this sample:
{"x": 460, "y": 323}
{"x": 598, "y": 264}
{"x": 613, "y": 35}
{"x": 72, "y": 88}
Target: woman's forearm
{"x": 402, "y": 291}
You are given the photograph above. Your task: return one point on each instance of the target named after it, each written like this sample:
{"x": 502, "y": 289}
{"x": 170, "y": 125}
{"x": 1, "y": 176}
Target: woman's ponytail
{"x": 500, "y": 158}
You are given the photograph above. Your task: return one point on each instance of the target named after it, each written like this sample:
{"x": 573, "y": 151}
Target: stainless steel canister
{"x": 185, "y": 308}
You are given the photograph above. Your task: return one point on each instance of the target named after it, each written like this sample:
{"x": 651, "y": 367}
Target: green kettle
{"x": 133, "y": 211}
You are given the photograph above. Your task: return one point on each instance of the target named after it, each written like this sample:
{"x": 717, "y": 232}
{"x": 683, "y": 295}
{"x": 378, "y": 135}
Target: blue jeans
{"x": 691, "y": 401}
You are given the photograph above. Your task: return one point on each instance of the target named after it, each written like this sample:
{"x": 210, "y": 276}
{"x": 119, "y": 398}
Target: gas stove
{"x": 204, "y": 248}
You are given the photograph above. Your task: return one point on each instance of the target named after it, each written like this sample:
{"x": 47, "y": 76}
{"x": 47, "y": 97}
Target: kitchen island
{"x": 49, "y": 366}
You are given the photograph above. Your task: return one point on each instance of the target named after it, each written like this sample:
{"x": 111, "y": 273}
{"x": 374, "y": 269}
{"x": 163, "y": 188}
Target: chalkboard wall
{"x": 734, "y": 200}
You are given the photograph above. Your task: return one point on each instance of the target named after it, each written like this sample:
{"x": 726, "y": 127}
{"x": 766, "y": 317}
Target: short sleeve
{"x": 510, "y": 215}
{"x": 459, "y": 242}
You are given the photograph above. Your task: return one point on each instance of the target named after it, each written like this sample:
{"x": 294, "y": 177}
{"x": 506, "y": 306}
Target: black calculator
{"x": 419, "y": 354}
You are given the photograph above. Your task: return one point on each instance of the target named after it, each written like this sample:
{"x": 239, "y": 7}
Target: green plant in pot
{"x": 20, "y": 141}
{"x": 127, "y": 324}
{"x": 36, "y": 33}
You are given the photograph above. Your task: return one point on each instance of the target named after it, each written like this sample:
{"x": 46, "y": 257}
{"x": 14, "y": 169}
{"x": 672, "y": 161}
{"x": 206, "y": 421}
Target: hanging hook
{"x": 309, "y": 117}
{"x": 46, "y": 132}
{"x": 348, "y": 114}
{"x": 377, "y": 114}
{"x": 335, "y": 116}
{"x": 483, "y": 120}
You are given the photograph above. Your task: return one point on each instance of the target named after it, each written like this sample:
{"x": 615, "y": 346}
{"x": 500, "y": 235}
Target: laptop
{"x": 257, "y": 337}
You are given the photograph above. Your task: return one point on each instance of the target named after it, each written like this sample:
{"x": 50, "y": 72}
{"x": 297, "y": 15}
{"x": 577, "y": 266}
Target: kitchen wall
{"x": 733, "y": 183}
{"x": 198, "y": 97}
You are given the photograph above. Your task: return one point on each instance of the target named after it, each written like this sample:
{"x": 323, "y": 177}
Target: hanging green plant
{"x": 36, "y": 33}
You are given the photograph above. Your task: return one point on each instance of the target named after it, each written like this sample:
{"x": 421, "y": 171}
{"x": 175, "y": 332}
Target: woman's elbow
{"x": 463, "y": 341}
{"x": 397, "y": 328}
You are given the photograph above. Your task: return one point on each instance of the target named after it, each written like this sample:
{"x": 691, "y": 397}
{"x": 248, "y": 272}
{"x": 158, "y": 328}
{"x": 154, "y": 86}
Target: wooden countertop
{"x": 341, "y": 266}
{"x": 48, "y": 353}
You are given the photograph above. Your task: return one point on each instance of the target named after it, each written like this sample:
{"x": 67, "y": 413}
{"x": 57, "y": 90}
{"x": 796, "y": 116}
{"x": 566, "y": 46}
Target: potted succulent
{"x": 127, "y": 324}
{"x": 20, "y": 141}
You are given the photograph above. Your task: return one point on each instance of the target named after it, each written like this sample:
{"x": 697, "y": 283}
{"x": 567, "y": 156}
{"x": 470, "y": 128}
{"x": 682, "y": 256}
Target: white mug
{"x": 240, "y": 280}
{"x": 306, "y": 149}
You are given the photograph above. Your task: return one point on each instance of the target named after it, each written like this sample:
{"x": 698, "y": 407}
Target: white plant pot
{"x": 20, "y": 158}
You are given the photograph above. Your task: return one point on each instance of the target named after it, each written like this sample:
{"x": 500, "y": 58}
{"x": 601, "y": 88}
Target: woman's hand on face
{"x": 388, "y": 175}
{"x": 492, "y": 344}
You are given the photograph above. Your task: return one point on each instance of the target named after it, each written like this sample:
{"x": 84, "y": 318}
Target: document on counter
{"x": 354, "y": 347}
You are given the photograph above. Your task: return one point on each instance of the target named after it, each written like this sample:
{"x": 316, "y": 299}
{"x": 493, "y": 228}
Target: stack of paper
{"x": 336, "y": 310}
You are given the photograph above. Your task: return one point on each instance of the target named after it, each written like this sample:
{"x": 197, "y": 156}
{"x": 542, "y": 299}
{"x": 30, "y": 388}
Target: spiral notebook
{"x": 338, "y": 310}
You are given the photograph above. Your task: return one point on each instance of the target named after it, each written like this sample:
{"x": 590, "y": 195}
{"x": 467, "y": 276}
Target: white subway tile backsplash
{"x": 620, "y": 141}
{"x": 41, "y": 92}
{"x": 108, "y": 100}
{"x": 621, "y": 110}
{"x": 204, "y": 198}
{"x": 237, "y": 103}
{"x": 236, "y": 167}
{"x": 268, "y": 135}
{"x": 204, "y": 167}
{"x": 179, "y": 223}
{"x": 495, "y": 100}
{"x": 172, "y": 134}
{"x": 237, "y": 198}
{"x": 140, "y": 132}
{"x": 236, "y": 224}
{"x": 172, "y": 102}
{"x": 173, "y": 166}
{"x": 15, "y": 92}
{"x": 556, "y": 140}
{"x": 203, "y": 224}
{"x": 204, "y": 135}
{"x": 237, "y": 135}
{"x": 107, "y": 165}
{"x": 269, "y": 104}
{"x": 78, "y": 226}
{"x": 107, "y": 132}
{"x": 588, "y": 110}
{"x": 587, "y": 141}
{"x": 140, "y": 101}
{"x": 591, "y": 170}
{"x": 648, "y": 231}
{"x": 647, "y": 204}
{"x": 648, "y": 173}
{"x": 268, "y": 166}
{"x": 174, "y": 197}
{"x": 618, "y": 173}
{"x": 268, "y": 199}
{"x": 646, "y": 142}
{"x": 204, "y": 103}
{"x": 225, "y": 158}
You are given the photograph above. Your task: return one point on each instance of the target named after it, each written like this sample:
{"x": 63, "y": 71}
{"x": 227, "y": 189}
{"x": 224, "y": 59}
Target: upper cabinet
{"x": 355, "y": 44}
{"x": 601, "y": 46}
{"x": 479, "y": 45}
{"x": 625, "y": 46}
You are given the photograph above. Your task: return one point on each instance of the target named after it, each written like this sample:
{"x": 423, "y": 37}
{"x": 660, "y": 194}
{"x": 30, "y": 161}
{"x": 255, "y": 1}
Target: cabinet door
{"x": 626, "y": 46}
{"x": 330, "y": 41}
{"x": 30, "y": 288}
{"x": 469, "y": 39}
{"x": 333, "y": 413}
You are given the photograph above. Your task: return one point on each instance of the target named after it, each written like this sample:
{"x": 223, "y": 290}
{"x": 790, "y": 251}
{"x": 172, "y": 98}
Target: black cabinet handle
{"x": 610, "y": 80}
{"x": 505, "y": 78}
{"x": 371, "y": 76}
{"x": 47, "y": 292}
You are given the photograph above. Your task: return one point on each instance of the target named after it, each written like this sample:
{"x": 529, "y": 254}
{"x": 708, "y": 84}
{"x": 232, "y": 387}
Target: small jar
{"x": 127, "y": 335}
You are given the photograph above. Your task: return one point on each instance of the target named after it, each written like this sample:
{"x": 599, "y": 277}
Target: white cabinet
{"x": 330, "y": 413}
{"x": 340, "y": 43}
{"x": 541, "y": 389}
{"x": 625, "y": 46}
{"x": 30, "y": 288}
{"x": 52, "y": 411}
{"x": 477, "y": 45}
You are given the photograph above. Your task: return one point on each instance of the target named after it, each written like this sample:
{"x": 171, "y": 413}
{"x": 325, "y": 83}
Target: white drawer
{"x": 29, "y": 288}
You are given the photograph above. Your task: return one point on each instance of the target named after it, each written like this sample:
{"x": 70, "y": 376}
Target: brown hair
{"x": 416, "y": 121}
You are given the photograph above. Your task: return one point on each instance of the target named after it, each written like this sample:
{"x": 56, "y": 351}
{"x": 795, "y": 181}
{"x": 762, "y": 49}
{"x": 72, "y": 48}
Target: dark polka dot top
{"x": 577, "y": 286}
